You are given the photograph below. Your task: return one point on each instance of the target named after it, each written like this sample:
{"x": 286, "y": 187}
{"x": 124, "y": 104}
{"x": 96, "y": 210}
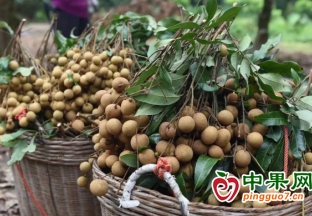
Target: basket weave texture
{"x": 154, "y": 203}
{"x": 51, "y": 173}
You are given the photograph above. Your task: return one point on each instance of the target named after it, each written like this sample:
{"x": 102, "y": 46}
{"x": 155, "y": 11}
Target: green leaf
{"x": 72, "y": 33}
{"x": 12, "y": 136}
{"x": 305, "y": 117}
{"x": 265, "y": 153}
{"x": 298, "y": 143}
{"x": 276, "y": 81}
{"x": 272, "y": 118}
{"x": 188, "y": 36}
{"x": 5, "y": 25}
{"x": 130, "y": 160}
{"x": 201, "y": 41}
{"x": 245, "y": 69}
{"x": 18, "y": 151}
{"x": 149, "y": 109}
{"x": 305, "y": 103}
{"x": 228, "y": 15}
{"x": 180, "y": 181}
{"x": 203, "y": 167}
{"x": 167, "y": 22}
{"x": 177, "y": 80}
{"x": 281, "y": 68}
{"x": 221, "y": 174}
{"x": 208, "y": 88}
{"x": 146, "y": 74}
{"x": 245, "y": 43}
{"x": 157, "y": 120}
{"x": 185, "y": 25}
{"x": 158, "y": 96}
{"x": 269, "y": 91}
{"x": 165, "y": 76}
{"x": 265, "y": 48}
{"x": 308, "y": 137}
{"x": 11, "y": 143}
{"x": 250, "y": 90}
{"x": 5, "y": 78}
{"x": 278, "y": 158}
{"x": 275, "y": 133}
{"x": 147, "y": 180}
{"x": 211, "y": 8}
{"x": 295, "y": 76}
{"x": 59, "y": 39}
{"x": 162, "y": 43}
{"x": 235, "y": 60}
{"x": 32, "y": 146}
{"x": 23, "y": 71}
{"x": 49, "y": 128}
{"x": 4, "y": 63}
{"x": 155, "y": 138}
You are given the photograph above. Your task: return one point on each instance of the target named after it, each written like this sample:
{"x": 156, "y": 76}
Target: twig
{"x": 309, "y": 84}
{"x": 79, "y": 115}
{"x": 243, "y": 110}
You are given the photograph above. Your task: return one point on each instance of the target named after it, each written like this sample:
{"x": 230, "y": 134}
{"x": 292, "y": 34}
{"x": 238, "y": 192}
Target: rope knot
{"x": 161, "y": 167}
{"x": 22, "y": 113}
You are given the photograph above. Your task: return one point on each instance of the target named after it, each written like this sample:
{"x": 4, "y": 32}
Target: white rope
{"x": 125, "y": 201}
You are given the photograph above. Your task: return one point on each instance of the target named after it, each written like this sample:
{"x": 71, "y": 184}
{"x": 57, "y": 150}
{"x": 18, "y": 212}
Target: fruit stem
{"x": 79, "y": 115}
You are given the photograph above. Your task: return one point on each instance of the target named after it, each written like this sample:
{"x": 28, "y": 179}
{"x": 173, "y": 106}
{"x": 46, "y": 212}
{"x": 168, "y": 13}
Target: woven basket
{"x": 154, "y": 203}
{"x": 51, "y": 173}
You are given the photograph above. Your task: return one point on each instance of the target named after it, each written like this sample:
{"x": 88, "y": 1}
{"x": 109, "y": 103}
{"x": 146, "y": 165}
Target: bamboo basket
{"x": 51, "y": 173}
{"x": 154, "y": 203}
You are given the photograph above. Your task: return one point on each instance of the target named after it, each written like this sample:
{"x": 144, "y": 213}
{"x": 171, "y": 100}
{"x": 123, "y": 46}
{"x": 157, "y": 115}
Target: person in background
{"x": 71, "y": 14}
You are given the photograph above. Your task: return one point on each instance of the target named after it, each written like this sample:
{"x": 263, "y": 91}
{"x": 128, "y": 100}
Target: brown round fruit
{"x": 215, "y": 151}
{"x": 175, "y": 164}
{"x": 223, "y": 51}
{"x": 147, "y": 156}
{"x": 224, "y": 137}
{"x": 130, "y": 128}
{"x": 308, "y": 158}
{"x": 113, "y": 126}
{"x": 99, "y": 187}
{"x": 138, "y": 141}
{"x": 13, "y": 65}
{"x": 118, "y": 169}
{"x": 200, "y": 121}
{"x": 199, "y": 147}
{"x": 209, "y": 135}
{"x": 251, "y": 104}
{"x": 262, "y": 129}
{"x": 128, "y": 106}
{"x": 233, "y": 110}
{"x": 120, "y": 83}
{"x": 242, "y": 158}
{"x": 225, "y": 118}
{"x": 240, "y": 130}
{"x": 31, "y": 116}
{"x": 82, "y": 181}
{"x": 85, "y": 167}
{"x": 188, "y": 111}
{"x": 184, "y": 153}
{"x": 78, "y": 125}
{"x": 255, "y": 140}
{"x": 112, "y": 111}
{"x": 254, "y": 112}
{"x": 186, "y": 124}
{"x": 110, "y": 160}
{"x": 164, "y": 148}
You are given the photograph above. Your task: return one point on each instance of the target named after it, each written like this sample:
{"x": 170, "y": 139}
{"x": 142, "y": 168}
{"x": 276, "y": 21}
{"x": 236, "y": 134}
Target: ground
{"x": 31, "y": 38}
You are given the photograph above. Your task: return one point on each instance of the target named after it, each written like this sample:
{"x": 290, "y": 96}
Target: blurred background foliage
{"x": 291, "y": 18}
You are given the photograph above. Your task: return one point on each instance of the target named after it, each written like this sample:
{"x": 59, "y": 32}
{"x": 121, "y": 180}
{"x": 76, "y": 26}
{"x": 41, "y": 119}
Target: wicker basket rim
{"x": 195, "y": 204}
{"x": 57, "y": 139}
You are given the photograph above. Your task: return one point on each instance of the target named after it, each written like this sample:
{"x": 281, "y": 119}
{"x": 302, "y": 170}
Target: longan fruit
{"x": 103, "y": 131}
{"x": 242, "y": 158}
{"x": 223, "y": 51}
{"x": 117, "y": 60}
{"x": 165, "y": 148}
{"x": 200, "y": 121}
{"x": 101, "y": 160}
{"x": 199, "y": 148}
{"x": 125, "y": 73}
{"x": 99, "y": 187}
{"x": 143, "y": 120}
{"x": 113, "y": 126}
{"x": 215, "y": 151}
{"x": 119, "y": 84}
{"x": 128, "y": 106}
{"x": 233, "y": 110}
{"x": 212, "y": 200}
{"x": 184, "y": 153}
{"x": 252, "y": 104}
{"x": 85, "y": 167}
{"x": 186, "y": 124}
{"x": 254, "y": 112}
{"x": 96, "y": 60}
{"x": 138, "y": 141}
{"x": 82, "y": 181}
{"x": 240, "y": 130}
{"x": 175, "y": 164}
{"x": 62, "y": 61}
{"x": 112, "y": 111}
{"x": 110, "y": 160}
{"x": 188, "y": 111}
{"x": 130, "y": 128}
{"x": 31, "y": 116}
{"x": 255, "y": 140}
{"x": 78, "y": 125}
{"x": 128, "y": 62}
{"x": 257, "y": 204}
{"x": 224, "y": 137}
{"x": 23, "y": 122}
{"x": 232, "y": 98}
{"x": 209, "y": 135}
{"x": 308, "y": 158}
{"x": 225, "y": 118}
{"x": 147, "y": 156}
{"x": 262, "y": 129}
{"x": 166, "y": 130}
{"x": 13, "y": 65}
{"x": 118, "y": 169}
{"x": 88, "y": 56}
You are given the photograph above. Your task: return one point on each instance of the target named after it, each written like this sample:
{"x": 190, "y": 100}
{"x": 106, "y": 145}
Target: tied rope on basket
{"x": 163, "y": 170}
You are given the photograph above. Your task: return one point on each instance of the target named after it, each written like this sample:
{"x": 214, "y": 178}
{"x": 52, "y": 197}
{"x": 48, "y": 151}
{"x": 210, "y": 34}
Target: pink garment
{"x": 77, "y": 8}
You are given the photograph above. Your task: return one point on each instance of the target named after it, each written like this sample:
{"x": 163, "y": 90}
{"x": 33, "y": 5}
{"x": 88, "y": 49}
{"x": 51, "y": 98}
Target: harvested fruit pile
{"x": 208, "y": 104}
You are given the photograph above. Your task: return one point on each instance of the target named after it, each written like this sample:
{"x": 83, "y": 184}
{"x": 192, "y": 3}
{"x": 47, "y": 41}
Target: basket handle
{"x": 125, "y": 201}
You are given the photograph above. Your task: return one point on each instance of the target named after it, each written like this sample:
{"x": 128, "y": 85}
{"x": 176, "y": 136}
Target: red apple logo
{"x": 222, "y": 183}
